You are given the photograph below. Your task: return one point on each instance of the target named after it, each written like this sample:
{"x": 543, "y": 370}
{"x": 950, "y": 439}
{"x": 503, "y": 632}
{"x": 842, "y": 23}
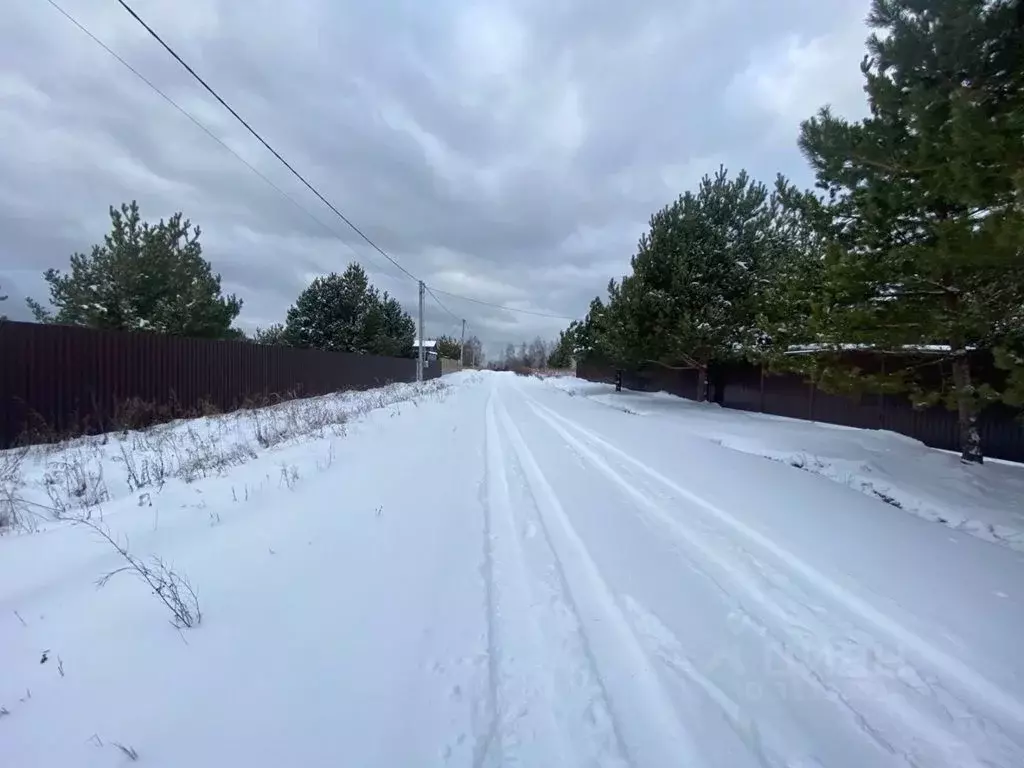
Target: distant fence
{"x": 63, "y": 380}
{"x": 750, "y": 387}
{"x": 449, "y": 366}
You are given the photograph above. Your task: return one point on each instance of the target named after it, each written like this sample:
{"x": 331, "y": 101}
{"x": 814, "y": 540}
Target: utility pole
{"x": 420, "y": 353}
{"x": 462, "y": 347}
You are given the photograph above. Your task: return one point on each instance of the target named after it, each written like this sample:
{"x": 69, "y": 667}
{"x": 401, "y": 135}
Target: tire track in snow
{"x": 584, "y": 709}
{"x": 646, "y": 719}
{"x": 523, "y": 729}
{"x": 487, "y": 709}
{"x": 928, "y": 730}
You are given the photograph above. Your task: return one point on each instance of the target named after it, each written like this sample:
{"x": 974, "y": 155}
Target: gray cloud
{"x": 510, "y": 151}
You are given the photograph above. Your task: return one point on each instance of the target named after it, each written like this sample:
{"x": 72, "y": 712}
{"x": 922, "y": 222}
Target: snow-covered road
{"x": 508, "y": 575}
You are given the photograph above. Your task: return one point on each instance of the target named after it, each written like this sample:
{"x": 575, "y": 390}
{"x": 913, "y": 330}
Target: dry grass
{"x": 13, "y": 513}
{"x": 172, "y": 588}
{"x": 78, "y": 474}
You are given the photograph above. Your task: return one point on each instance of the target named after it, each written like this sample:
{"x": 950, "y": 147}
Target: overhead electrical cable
{"x": 433, "y": 291}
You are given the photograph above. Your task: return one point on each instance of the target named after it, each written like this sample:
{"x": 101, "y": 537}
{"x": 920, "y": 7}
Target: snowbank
{"x": 296, "y": 552}
{"x": 43, "y": 484}
{"x": 987, "y": 501}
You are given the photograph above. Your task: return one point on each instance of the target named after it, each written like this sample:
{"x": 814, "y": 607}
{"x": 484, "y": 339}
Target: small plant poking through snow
{"x": 289, "y": 476}
{"x": 129, "y": 752}
{"x": 172, "y": 588}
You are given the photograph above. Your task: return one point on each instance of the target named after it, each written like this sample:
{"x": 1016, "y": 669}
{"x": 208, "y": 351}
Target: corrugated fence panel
{"x": 62, "y": 380}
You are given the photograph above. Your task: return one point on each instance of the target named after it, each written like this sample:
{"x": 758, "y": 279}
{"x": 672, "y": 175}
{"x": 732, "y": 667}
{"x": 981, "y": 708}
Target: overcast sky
{"x": 509, "y": 151}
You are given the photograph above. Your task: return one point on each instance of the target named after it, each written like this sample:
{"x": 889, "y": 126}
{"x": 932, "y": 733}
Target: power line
{"x": 439, "y": 302}
{"x": 430, "y": 289}
{"x": 300, "y": 177}
{"x": 502, "y": 306}
{"x": 261, "y": 140}
{"x": 199, "y": 124}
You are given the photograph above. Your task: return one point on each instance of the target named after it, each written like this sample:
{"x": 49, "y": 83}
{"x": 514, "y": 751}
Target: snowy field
{"x": 495, "y": 570}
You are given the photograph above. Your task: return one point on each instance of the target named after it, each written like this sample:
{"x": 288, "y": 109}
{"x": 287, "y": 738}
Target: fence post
{"x": 760, "y": 405}
{"x": 810, "y": 404}
{"x": 618, "y": 380}
{"x": 881, "y": 400}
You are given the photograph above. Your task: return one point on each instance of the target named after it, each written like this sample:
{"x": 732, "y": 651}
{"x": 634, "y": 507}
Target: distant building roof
{"x": 428, "y": 344}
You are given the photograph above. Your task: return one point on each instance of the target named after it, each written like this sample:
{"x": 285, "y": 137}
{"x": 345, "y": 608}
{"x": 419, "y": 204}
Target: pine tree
{"x": 607, "y": 333}
{"x": 271, "y": 335}
{"x": 397, "y": 331}
{"x": 788, "y": 281}
{"x": 332, "y": 312}
{"x": 144, "y": 276}
{"x": 448, "y": 347}
{"x": 344, "y": 313}
{"x": 693, "y": 294}
{"x": 925, "y": 222}
{"x": 562, "y": 352}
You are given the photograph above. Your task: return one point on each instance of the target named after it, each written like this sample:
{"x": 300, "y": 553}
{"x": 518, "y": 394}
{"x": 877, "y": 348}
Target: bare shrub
{"x": 298, "y": 418}
{"x": 136, "y": 413}
{"x": 145, "y": 470}
{"x": 13, "y": 513}
{"x": 74, "y": 481}
{"x": 208, "y": 408}
{"x": 172, "y": 588}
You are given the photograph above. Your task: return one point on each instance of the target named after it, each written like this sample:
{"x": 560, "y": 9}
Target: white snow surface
{"x": 484, "y": 571}
{"x": 986, "y": 501}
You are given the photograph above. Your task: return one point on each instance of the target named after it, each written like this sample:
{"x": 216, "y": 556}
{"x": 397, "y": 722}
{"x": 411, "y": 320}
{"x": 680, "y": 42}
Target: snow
{"x": 987, "y": 501}
{"x": 801, "y": 349}
{"x": 484, "y": 571}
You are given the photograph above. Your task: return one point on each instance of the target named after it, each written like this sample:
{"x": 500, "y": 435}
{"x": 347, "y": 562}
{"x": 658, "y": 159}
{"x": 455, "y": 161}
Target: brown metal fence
{"x": 62, "y": 380}
{"x": 749, "y": 387}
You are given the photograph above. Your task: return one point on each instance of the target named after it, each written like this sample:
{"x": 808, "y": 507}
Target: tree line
{"x": 535, "y": 355}
{"x": 152, "y": 276}
{"x": 146, "y": 276}
{"x": 910, "y": 244}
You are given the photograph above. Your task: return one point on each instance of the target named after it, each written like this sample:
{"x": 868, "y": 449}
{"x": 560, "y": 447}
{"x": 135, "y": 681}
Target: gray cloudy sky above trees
{"x": 510, "y": 151}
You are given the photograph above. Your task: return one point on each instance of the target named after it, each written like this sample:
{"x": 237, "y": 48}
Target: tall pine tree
{"x": 396, "y": 331}
{"x": 143, "y": 276}
{"x": 344, "y": 313}
{"x": 562, "y": 351}
{"x": 924, "y": 199}
{"x": 698, "y": 276}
